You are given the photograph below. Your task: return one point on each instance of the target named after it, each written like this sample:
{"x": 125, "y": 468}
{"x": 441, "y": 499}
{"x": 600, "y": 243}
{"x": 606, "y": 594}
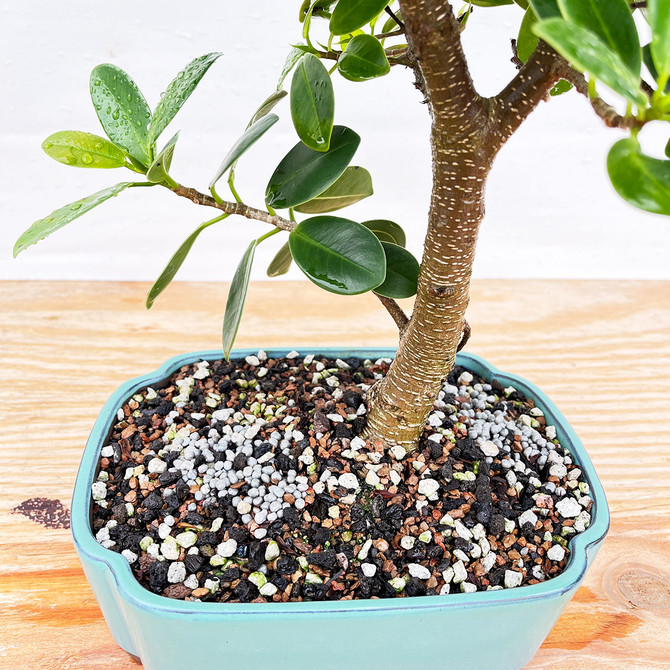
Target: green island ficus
{"x": 613, "y": 52}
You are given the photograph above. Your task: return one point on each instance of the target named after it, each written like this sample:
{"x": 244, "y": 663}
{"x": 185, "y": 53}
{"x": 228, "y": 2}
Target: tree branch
{"x": 395, "y": 17}
{"x": 606, "y": 112}
{"x": 523, "y": 94}
{"x": 396, "y": 312}
{"x": 238, "y": 208}
{"x": 467, "y": 331}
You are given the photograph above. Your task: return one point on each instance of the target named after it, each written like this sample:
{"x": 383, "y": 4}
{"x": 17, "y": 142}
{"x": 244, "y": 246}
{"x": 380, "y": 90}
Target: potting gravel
{"x": 249, "y": 481}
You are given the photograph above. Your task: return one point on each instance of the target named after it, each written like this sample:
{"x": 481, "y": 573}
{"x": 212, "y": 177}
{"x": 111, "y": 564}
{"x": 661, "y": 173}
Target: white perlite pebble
{"x": 461, "y": 530}
{"x": 398, "y": 453}
{"x": 418, "y": 571}
{"x": 227, "y": 548}
{"x": 369, "y": 570}
{"x": 130, "y": 556}
{"x": 512, "y": 579}
{"x": 550, "y": 432}
{"x": 186, "y": 539}
{"x": 568, "y": 508}
{"x": 176, "y": 573}
{"x": 407, "y": 541}
{"x": 170, "y": 548}
{"x": 467, "y": 587}
{"x": 271, "y": 551}
{"x": 460, "y": 573}
{"x": 527, "y": 517}
{"x": 556, "y": 553}
{"x": 268, "y": 589}
{"x": 465, "y": 378}
{"x": 488, "y": 561}
{"x": 429, "y": 488}
{"x": 348, "y": 480}
{"x": 157, "y": 466}
{"x": 558, "y": 470}
{"x": 372, "y": 479}
{"x": 243, "y": 507}
{"x": 191, "y": 582}
{"x": 99, "y": 490}
{"x": 489, "y": 449}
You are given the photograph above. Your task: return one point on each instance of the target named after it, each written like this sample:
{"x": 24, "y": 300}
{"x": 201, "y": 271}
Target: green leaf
{"x": 667, "y": 149}
{"x": 349, "y": 15}
{"x": 294, "y": 55}
{"x": 247, "y": 139}
{"x": 178, "y": 92}
{"x": 312, "y": 103}
{"x": 491, "y": 3}
{"x": 354, "y": 184}
{"x": 281, "y": 263}
{"x": 527, "y": 39}
{"x": 122, "y": 110}
{"x": 304, "y": 173}
{"x": 78, "y": 149}
{"x": 402, "y": 273}
{"x": 659, "y": 20}
{"x": 176, "y": 262}
{"x": 640, "y": 180}
{"x": 587, "y": 52}
{"x": 61, "y": 217}
{"x": 561, "y": 87}
{"x": 339, "y": 255}
{"x": 612, "y": 21}
{"x": 160, "y": 169}
{"x": 546, "y": 9}
{"x": 267, "y": 106}
{"x": 386, "y": 231}
{"x": 522, "y": 3}
{"x": 236, "y": 297}
{"x": 363, "y": 59}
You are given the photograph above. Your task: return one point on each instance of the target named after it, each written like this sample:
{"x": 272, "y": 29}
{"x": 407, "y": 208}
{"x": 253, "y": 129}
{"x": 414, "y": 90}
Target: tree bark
{"x": 467, "y": 131}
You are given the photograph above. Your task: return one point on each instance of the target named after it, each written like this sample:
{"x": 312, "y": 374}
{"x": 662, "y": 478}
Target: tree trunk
{"x": 467, "y": 131}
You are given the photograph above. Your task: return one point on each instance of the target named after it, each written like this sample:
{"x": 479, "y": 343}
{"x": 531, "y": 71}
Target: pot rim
{"x": 131, "y": 590}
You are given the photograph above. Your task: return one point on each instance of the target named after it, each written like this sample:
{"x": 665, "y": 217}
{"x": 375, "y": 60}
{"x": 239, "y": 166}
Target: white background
{"x": 551, "y": 211}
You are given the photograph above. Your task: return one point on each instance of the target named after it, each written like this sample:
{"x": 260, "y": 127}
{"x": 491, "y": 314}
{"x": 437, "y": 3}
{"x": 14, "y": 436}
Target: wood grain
{"x": 600, "y": 349}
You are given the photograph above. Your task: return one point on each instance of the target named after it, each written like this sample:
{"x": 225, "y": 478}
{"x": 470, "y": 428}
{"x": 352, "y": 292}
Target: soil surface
{"x": 248, "y": 481}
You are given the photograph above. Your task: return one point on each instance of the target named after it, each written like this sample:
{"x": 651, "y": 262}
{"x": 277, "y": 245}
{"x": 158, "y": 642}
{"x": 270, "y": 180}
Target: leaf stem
{"x": 231, "y": 184}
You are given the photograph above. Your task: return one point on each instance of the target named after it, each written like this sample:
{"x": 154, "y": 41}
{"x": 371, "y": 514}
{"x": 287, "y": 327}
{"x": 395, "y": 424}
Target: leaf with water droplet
{"x": 159, "y": 170}
{"x": 60, "y": 217}
{"x": 178, "y": 91}
{"x": 79, "y": 149}
{"x": 117, "y": 93}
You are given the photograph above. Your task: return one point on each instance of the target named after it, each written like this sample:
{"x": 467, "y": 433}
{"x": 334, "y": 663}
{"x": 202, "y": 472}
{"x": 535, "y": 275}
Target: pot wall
{"x": 492, "y": 630}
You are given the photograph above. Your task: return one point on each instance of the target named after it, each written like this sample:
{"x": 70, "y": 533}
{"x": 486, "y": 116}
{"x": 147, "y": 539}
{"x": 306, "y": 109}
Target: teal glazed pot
{"x": 489, "y": 630}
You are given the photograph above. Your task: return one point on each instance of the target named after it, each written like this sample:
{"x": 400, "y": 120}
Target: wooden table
{"x": 600, "y": 349}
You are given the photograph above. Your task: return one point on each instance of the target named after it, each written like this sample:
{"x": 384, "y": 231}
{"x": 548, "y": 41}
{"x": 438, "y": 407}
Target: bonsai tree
{"x": 591, "y": 46}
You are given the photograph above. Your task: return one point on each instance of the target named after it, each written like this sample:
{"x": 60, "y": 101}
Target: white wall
{"x": 551, "y": 210}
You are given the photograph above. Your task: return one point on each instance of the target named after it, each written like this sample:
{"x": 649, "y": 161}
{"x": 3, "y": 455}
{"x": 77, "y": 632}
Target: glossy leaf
{"x": 642, "y": 181}
{"x": 249, "y": 137}
{"x": 354, "y": 184}
{"x": 281, "y": 263}
{"x": 612, "y": 21}
{"x": 659, "y": 20}
{"x": 267, "y": 106}
{"x": 236, "y": 297}
{"x": 363, "y": 59}
{"x": 122, "y": 110}
{"x": 402, "y": 273}
{"x": 178, "y": 92}
{"x": 339, "y": 255}
{"x": 667, "y": 149}
{"x": 546, "y": 9}
{"x": 386, "y": 231}
{"x": 587, "y": 52}
{"x": 349, "y": 15}
{"x": 522, "y": 3}
{"x": 78, "y": 149}
{"x": 491, "y": 3}
{"x": 312, "y": 103}
{"x": 294, "y": 55}
{"x": 175, "y": 263}
{"x": 61, "y": 217}
{"x": 160, "y": 169}
{"x": 561, "y": 87}
{"x": 527, "y": 39}
{"x": 304, "y": 173}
